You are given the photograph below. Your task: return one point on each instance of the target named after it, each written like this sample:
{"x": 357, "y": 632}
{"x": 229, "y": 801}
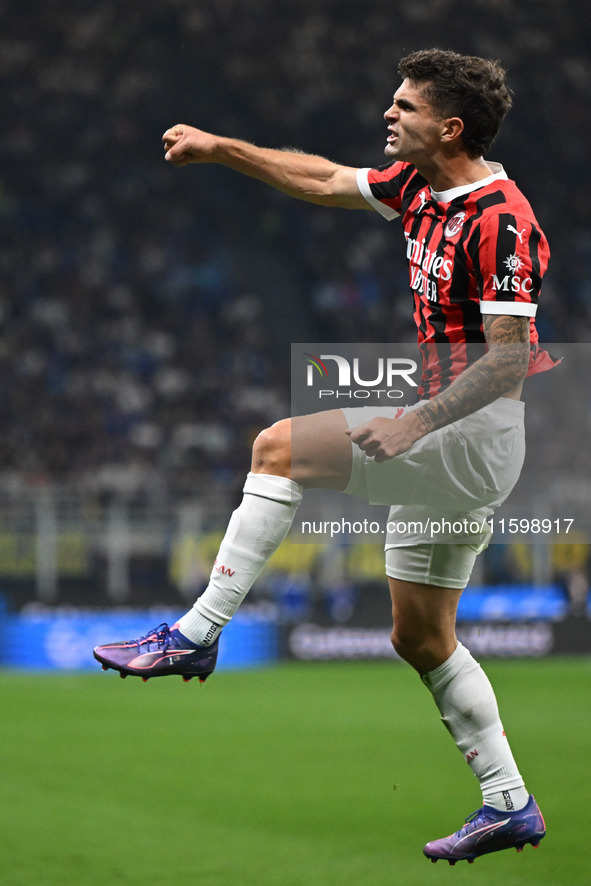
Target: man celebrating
{"x": 476, "y": 259}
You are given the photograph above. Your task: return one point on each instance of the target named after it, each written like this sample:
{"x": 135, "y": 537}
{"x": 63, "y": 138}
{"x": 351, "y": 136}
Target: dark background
{"x": 146, "y": 312}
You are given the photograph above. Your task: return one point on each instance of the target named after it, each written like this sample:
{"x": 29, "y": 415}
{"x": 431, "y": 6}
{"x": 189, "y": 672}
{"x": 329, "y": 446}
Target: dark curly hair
{"x": 464, "y": 86}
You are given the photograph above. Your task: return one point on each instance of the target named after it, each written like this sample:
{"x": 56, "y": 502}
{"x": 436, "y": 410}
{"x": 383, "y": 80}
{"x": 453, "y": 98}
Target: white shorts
{"x": 446, "y": 486}
{"x": 442, "y": 565}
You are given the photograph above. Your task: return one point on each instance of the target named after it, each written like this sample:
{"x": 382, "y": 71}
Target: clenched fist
{"x": 185, "y": 144}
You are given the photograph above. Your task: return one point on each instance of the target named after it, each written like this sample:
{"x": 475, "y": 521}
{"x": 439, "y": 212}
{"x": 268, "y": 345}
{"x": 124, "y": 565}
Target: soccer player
{"x": 476, "y": 258}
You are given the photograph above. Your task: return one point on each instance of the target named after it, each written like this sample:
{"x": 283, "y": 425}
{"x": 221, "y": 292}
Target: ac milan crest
{"x": 454, "y": 225}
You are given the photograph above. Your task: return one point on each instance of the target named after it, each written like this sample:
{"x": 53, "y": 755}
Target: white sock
{"x": 469, "y": 710}
{"x": 255, "y": 531}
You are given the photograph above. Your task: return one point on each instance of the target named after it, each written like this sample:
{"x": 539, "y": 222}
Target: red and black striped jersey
{"x": 472, "y": 250}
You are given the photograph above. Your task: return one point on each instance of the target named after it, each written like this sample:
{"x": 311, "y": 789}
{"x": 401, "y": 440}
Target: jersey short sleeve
{"x": 510, "y": 256}
{"x": 384, "y": 188}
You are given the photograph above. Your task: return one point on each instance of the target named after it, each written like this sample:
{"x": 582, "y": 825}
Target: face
{"x": 414, "y": 131}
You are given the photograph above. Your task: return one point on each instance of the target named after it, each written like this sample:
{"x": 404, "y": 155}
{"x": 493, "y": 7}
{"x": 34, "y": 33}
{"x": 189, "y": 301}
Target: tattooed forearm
{"x": 502, "y": 368}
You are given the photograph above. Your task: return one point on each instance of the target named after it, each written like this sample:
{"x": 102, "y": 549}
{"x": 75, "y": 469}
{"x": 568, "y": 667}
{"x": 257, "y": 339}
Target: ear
{"x": 452, "y": 129}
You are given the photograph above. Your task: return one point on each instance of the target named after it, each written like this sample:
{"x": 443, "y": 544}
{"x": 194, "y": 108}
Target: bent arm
{"x": 500, "y": 371}
{"x": 304, "y": 176}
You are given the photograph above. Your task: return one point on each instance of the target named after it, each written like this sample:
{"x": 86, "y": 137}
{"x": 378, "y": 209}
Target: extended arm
{"x": 304, "y": 176}
{"x": 500, "y": 371}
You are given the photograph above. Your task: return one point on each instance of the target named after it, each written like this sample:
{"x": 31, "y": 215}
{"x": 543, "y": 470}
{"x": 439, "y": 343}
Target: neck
{"x": 445, "y": 173}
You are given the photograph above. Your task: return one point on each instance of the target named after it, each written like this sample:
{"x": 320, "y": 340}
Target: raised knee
{"x": 271, "y": 451}
{"x": 421, "y": 652}
{"x": 405, "y": 644}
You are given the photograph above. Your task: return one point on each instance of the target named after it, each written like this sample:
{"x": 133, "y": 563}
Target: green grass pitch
{"x": 320, "y": 774}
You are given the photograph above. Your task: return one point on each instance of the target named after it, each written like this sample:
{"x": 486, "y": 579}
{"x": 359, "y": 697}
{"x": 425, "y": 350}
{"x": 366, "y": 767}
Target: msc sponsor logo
{"x": 511, "y": 283}
{"x": 513, "y": 262}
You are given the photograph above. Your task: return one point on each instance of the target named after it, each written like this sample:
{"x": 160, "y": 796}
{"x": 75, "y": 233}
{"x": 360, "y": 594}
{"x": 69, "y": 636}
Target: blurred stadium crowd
{"x": 146, "y": 313}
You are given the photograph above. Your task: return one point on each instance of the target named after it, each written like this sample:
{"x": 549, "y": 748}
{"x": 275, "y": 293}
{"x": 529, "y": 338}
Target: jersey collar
{"x": 453, "y": 193}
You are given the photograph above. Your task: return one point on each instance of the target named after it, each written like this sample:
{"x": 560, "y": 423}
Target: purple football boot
{"x": 159, "y": 653}
{"x": 489, "y": 830}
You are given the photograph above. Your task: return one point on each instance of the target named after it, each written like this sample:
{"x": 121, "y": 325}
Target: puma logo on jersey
{"x": 423, "y": 199}
{"x": 516, "y": 232}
